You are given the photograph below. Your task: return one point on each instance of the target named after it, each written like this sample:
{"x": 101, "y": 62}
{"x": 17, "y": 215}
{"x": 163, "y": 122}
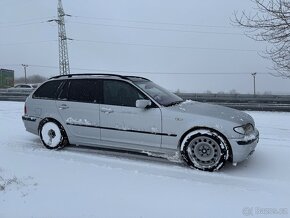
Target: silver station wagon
{"x": 134, "y": 114}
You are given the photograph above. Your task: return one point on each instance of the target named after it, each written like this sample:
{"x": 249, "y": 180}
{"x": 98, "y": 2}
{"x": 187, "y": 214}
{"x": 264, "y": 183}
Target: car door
{"x": 78, "y": 106}
{"x": 120, "y": 119}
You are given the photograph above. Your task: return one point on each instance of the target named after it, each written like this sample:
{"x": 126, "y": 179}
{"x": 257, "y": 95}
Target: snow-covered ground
{"x": 76, "y": 182}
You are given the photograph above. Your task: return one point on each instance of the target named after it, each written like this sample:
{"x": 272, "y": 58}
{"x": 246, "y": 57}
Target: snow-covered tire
{"x": 205, "y": 150}
{"x": 52, "y": 134}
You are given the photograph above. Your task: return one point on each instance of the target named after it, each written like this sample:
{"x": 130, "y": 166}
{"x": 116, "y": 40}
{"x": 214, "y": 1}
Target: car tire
{"x": 52, "y": 134}
{"x": 205, "y": 150}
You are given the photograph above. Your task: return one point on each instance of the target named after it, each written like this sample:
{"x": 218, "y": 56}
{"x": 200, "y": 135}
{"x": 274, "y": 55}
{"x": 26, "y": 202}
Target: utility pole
{"x": 25, "y": 66}
{"x": 64, "y": 68}
{"x": 254, "y": 77}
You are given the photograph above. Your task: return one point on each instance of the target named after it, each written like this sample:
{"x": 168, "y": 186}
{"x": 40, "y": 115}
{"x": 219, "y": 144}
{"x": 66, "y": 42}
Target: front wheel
{"x": 52, "y": 135}
{"x": 205, "y": 150}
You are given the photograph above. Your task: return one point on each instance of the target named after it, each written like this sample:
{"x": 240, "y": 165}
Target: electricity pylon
{"x": 62, "y": 40}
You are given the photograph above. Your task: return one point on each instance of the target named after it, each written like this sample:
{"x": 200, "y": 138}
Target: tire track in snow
{"x": 143, "y": 165}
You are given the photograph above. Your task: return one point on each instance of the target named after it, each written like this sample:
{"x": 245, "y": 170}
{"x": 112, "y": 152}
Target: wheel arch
{"x": 47, "y": 119}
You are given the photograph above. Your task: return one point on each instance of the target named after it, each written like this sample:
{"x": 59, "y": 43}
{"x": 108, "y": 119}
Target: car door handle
{"x": 63, "y": 107}
{"x": 106, "y": 110}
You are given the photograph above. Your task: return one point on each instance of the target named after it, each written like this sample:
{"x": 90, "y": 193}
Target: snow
{"x": 187, "y": 102}
{"x": 79, "y": 182}
{"x": 250, "y": 137}
{"x": 154, "y": 129}
{"x": 173, "y": 158}
{"x": 71, "y": 120}
{"x": 49, "y": 140}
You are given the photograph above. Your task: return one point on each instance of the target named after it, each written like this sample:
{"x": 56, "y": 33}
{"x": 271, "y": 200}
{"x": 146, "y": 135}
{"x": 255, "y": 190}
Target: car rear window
{"x": 48, "y": 90}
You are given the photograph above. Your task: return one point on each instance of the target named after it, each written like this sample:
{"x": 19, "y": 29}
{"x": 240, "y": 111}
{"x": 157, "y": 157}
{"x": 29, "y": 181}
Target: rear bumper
{"x": 243, "y": 148}
{"x": 28, "y": 118}
{"x": 31, "y": 124}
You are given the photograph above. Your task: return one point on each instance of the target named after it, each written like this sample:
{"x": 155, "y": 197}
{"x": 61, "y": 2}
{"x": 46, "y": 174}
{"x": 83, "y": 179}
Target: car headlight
{"x": 245, "y": 129}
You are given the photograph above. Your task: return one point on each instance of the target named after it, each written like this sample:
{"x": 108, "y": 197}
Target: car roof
{"x": 99, "y": 75}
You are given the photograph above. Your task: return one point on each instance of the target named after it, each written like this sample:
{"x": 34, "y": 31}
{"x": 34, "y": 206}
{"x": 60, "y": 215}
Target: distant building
{"x": 6, "y": 78}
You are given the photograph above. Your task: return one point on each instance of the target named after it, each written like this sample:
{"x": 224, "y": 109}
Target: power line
{"x": 158, "y": 22}
{"x": 157, "y": 29}
{"x": 16, "y": 24}
{"x": 27, "y": 20}
{"x": 167, "y": 46}
{"x": 135, "y": 44}
{"x": 42, "y": 20}
{"x": 144, "y": 72}
{"x": 19, "y": 24}
{"x": 26, "y": 43}
{"x": 28, "y": 23}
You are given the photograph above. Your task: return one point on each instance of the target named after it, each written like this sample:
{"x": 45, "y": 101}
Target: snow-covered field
{"x": 75, "y": 182}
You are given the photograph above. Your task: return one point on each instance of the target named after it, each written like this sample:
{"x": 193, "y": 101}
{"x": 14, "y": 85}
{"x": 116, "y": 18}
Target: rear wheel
{"x": 205, "y": 150}
{"x": 52, "y": 135}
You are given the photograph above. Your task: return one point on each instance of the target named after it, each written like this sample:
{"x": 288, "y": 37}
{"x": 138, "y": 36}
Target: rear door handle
{"x": 106, "y": 110}
{"x": 63, "y": 107}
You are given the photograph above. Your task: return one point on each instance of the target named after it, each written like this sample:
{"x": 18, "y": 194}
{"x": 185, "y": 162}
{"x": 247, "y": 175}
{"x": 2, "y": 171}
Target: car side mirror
{"x": 142, "y": 103}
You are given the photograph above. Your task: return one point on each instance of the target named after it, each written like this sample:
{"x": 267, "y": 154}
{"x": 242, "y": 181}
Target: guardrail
{"x": 238, "y": 101}
{"x": 237, "y": 98}
{"x": 243, "y": 101}
{"x": 14, "y": 95}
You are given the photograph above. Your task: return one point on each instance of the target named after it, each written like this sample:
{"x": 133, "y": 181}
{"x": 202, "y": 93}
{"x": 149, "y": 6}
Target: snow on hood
{"x": 216, "y": 111}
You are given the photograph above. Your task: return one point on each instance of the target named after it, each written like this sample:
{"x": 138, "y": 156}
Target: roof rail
{"x": 97, "y": 74}
{"x": 88, "y": 74}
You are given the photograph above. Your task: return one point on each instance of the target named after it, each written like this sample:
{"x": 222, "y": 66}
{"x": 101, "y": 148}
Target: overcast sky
{"x": 188, "y": 45}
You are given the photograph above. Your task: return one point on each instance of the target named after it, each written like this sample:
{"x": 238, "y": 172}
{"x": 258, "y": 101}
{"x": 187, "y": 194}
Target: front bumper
{"x": 244, "y": 147}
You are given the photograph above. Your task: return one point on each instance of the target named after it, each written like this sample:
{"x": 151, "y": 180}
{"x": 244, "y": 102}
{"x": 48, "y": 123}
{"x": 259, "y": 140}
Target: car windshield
{"x": 159, "y": 94}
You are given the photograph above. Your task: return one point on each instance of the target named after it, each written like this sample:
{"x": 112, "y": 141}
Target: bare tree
{"x": 271, "y": 23}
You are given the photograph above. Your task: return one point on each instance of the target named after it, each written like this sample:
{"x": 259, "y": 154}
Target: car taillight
{"x": 25, "y": 110}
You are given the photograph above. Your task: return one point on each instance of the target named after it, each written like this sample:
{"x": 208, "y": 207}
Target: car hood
{"x": 211, "y": 110}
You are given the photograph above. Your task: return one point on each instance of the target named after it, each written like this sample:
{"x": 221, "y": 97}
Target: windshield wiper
{"x": 174, "y": 103}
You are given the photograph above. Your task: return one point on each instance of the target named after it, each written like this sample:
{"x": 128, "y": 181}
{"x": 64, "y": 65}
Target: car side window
{"x": 120, "y": 93}
{"x": 63, "y": 93}
{"x": 47, "y": 90}
{"x": 84, "y": 90}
